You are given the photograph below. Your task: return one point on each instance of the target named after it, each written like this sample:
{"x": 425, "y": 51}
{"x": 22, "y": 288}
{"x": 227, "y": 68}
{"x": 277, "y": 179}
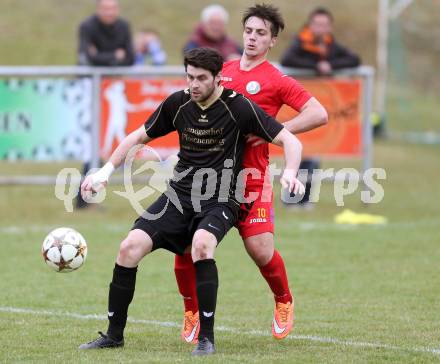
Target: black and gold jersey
{"x": 212, "y": 140}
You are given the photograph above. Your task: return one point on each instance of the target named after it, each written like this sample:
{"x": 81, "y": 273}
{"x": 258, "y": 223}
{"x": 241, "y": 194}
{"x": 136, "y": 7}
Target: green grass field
{"x": 363, "y": 294}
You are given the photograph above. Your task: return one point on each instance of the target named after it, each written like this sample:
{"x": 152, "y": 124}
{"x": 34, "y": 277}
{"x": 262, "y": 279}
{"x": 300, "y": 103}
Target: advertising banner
{"x": 126, "y": 105}
{"x": 45, "y": 119}
{"x": 342, "y": 136}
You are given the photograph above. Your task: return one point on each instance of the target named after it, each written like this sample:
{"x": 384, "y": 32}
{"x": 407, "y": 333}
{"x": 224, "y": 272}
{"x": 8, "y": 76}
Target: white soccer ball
{"x": 64, "y": 250}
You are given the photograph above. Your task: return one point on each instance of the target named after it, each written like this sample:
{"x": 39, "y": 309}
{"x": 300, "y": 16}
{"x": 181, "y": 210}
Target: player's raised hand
{"x": 96, "y": 182}
{"x": 90, "y": 186}
{"x": 289, "y": 181}
{"x": 255, "y": 140}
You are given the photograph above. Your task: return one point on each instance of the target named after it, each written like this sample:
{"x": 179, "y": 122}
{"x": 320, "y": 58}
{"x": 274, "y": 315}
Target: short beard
{"x": 209, "y": 95}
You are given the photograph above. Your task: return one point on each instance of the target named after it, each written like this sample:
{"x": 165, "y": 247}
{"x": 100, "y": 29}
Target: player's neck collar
{"x": 214, "y": 97}
{"x": 247, "y": 64}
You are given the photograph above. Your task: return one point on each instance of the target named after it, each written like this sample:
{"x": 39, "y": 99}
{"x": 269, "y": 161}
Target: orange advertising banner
{"x": 126, "y": 105}
{"x": 342, "y": 136}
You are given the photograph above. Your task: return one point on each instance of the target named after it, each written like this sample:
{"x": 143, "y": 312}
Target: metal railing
{"x": 366, "y": 73}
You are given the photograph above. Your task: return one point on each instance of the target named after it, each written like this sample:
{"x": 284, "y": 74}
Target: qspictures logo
{"x": 159, "y": 176}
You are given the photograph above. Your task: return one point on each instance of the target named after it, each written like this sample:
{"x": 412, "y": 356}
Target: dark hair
{"x": 321, "y": 11}
{"x": 265, "y": 12}
{"x": 207, "y": 58}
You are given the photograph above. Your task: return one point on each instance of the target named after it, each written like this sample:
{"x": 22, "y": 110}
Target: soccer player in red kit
{"x": 257, "y": 79}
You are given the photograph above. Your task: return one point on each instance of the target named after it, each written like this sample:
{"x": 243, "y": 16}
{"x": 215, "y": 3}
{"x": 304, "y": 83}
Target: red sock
{"x": 186, "y": 281}
{"x": 275, "y": 274}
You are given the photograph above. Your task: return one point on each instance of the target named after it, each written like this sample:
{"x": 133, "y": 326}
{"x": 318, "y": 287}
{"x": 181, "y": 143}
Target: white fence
{"x": 96, "y": 74}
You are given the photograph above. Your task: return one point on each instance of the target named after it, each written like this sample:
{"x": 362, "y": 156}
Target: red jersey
{"x": 270, "y": 89}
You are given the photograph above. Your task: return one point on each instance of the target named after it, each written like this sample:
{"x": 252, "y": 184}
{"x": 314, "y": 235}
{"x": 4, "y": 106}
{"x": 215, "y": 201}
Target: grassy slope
{"x": 53, "y": 24}
{"x": 410, "y": 109}
{"x": 45, "y": 32}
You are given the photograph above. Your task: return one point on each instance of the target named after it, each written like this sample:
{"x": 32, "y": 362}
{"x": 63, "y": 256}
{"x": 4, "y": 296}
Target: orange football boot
{"x": 283, "y": 317}
{"x": 191, "y": 327}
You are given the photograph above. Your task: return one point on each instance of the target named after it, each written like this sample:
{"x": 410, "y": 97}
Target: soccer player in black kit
{"x": 201, "y": 203}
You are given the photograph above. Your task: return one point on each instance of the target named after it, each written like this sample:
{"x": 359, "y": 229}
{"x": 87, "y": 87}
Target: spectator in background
{"x": 147, "y": 46}
{"x": 105, "y": 38}
{"x": 315, "y": 47}
{"x": 211, "y": 32}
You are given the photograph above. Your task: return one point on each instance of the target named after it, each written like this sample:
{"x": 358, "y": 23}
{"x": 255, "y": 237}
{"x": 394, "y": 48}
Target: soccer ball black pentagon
{"x": 64, "y": 250}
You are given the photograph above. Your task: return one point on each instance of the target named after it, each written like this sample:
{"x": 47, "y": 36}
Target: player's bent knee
{"x": 260, "y": 248}
{"x": 200, "y": 249}
{"x": 201, "y": 255}
{"x": 133, "y": 248}
{"x": 127, "y": 250}
{"x": 203, "y": 245}
{"x": 261, "y": 258}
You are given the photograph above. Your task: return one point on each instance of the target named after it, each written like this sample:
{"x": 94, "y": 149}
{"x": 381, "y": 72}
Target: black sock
{"x": 207, "y": 284}
{"x": 119, "y": 298}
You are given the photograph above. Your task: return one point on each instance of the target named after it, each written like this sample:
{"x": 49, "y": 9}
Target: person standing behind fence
{"x": 211, "y": 33}
{"x": 315, "y": 48}
{"x": 147, "y": 47}
{"x": 105, "y": 38}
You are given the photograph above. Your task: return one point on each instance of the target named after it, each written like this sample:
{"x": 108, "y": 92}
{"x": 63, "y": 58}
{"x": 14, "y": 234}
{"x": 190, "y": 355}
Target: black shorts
{"x": 173, "y": 231}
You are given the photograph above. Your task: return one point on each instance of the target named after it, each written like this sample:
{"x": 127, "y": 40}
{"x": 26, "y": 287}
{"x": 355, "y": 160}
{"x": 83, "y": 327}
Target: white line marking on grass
{"x": 304, "y": 226}
{"x": 18, "y": 230}
{"x": 21, "y": 230}
{"x": 325, "y": 340}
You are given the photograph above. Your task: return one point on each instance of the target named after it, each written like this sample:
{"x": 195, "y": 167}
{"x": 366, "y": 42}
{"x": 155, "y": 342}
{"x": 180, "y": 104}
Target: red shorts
{"x": 256, "y": 217}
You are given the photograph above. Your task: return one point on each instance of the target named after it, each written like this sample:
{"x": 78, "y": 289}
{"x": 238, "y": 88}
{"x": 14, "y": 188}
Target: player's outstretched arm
{"x": 139, "y": 136}
{"x": 97, "y": 181}
{"x": 311, "y": 116}
{"x": 292, "y": 155}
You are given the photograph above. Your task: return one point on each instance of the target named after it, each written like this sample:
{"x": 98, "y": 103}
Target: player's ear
{"x": 218, "y": 78}
{"x": 272, "y": 42}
